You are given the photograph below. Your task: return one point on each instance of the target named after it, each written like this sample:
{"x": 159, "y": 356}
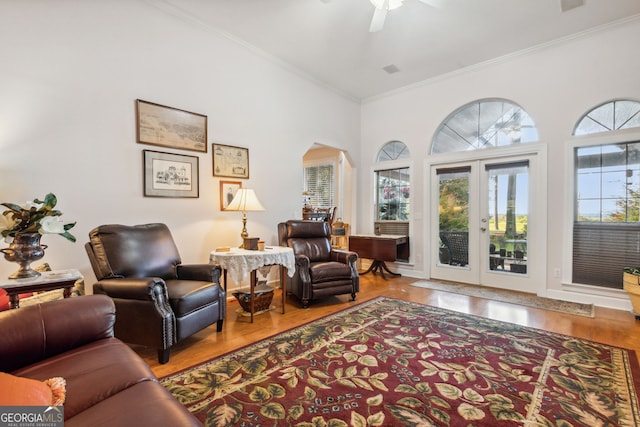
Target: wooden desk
{"x": 380, "y": 248}
{"x": 47, "y": 281}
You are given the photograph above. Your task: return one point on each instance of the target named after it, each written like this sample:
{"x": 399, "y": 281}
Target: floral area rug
{"x": 388, "y": 362}
{"x": 513, "y": 297}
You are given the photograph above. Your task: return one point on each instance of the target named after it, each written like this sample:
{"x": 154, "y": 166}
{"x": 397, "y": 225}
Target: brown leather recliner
{"x": 159, "y": 301}
{"x": 320, "y": 270}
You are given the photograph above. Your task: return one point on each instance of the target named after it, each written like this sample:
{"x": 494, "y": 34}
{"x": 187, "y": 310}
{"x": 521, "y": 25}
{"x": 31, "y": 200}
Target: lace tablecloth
{"x": 241, "y": 262}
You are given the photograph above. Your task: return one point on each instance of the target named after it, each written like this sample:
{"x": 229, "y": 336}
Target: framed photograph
{"x": 169, "y": 127}
{"x": 230, "y": 162}
{"x": 228, "y": 189}
{"x": 170, "y": 175}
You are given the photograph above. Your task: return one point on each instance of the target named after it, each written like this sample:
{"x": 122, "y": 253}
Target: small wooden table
{"x": 242, "y": 263}
{"x": 47, "y": 281}
{"x": 380, "y": 248}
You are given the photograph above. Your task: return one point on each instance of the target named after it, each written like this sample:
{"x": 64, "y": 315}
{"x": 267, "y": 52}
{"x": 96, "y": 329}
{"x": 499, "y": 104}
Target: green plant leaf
{"x": 469, "y": 412}
{"x": 358, "y": 420}
{"x": 449, "y": 391}
{"x": 224, "y": 415}
{"x": 376, "y": 419}
{"x": 273, "y": 410}
{"x": 375, "y": 400}
{"x": 260, "y": 394}
{"x": 296, "y": 411}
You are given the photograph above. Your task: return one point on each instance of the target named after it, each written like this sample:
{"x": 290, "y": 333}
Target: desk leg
{"x": 224, "y": 279}
{"x": 282, "y": 285}
{"x": 377, "y": 265}
{"x": 252, "y": 291}
{"x": 384, "y": 267}
{"x": 14, "y": 301}
{"x": 373, "y": 267}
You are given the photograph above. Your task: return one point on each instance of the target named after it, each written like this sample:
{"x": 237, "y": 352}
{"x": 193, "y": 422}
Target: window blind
{"x": 320, "y": 184}
{"x": 602, "y": 250}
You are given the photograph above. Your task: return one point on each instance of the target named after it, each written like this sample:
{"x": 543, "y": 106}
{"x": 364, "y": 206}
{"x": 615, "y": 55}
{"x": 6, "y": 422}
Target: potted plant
{"x": 23, "y": 225}
{"x": 631, "y": 284}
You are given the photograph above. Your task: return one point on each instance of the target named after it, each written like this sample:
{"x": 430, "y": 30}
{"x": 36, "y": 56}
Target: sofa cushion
{"x": 18, "y": 391}
{"x": 143, "y": 404}
{"x": 329, "y": 271}
{"x": 186, "y": 296}
{"x": 93, "y": 372}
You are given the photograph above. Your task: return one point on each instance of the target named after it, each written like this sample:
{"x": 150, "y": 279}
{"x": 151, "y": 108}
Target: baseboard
{"x": 585, "y": 298}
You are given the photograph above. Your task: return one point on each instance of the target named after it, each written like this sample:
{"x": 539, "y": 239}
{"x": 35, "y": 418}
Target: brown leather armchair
{"x": 159, "y": 301}
{"x": 320, "y": 270}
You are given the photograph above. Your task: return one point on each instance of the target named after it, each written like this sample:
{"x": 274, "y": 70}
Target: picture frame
{"x": 228, "y": 190}
{"x": 170, "y": 175}
{"x": 230, "y": 161}
{"x": 170, "y": 127}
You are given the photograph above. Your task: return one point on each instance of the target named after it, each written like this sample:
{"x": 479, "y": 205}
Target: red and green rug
{"x": 388, "y": 362}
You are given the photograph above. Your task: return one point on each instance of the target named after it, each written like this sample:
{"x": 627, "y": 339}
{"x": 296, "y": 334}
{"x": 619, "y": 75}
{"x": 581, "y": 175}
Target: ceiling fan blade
{"x": 377, "y": 22}
{"x": 435, "y": 3}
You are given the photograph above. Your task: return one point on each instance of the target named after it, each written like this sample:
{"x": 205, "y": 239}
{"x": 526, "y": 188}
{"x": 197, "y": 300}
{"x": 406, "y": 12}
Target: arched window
{"x": 484, "y": 124}
{"x": 613, "y": 115}
{"x": 393, "y": 150}
{"x": 606, "y": 196}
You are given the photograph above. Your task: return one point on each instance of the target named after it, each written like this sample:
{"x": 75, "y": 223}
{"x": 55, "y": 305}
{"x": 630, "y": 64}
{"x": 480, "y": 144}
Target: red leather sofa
{"x": 107, "y": 383}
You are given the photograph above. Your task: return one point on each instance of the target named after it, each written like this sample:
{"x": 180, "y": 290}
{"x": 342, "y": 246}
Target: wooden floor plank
{"x": 613, "y": 327}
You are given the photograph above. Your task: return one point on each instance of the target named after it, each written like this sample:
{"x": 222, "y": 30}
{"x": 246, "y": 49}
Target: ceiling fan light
{"x": 393, "y": 4}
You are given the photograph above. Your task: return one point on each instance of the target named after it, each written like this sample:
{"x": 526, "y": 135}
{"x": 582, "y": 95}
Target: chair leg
{"x": 353, "y": 296}
{"x": 163, "y": 355}
{"x": 219, "y": 325}
{"x": 305, "y": 303}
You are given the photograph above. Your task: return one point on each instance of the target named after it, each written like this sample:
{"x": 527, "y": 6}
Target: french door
{"x": 486, "y": 224}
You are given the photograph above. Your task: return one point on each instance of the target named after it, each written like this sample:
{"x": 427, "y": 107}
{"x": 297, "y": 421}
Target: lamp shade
{"x": 245, "y": 200}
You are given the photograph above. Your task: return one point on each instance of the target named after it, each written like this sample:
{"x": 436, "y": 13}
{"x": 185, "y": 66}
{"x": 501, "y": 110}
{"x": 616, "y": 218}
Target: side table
{"x": 241, "y": 263}
{"x": 47, "y": 281}
{"x": 380, "y": 248}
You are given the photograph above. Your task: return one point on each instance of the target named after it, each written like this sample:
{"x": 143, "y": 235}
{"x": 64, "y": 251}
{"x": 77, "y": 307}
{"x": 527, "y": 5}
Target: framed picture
{"x": 170, "y": 175}
{"x": 169, "y": 127}
{"x": 231, "y": 162}
{"x": 228, "y": 189}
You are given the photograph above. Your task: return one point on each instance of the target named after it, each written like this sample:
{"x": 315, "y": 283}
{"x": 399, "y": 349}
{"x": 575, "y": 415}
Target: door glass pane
{"x": 454, "y": 217}
{"x": 508, "y": 196}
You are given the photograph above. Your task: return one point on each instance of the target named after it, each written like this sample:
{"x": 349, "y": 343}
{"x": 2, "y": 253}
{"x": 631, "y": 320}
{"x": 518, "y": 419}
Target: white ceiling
{"x": 329, "y": 40}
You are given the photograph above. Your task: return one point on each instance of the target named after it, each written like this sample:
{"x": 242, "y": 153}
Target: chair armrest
{"x": 34, "y": 333}
{"x": 345, "y": 257}
{"x": 143, "y": 289}
{"x": 302, "y": 262}
{"x": 303, "y": 270}
{"x": 203, "y": 272}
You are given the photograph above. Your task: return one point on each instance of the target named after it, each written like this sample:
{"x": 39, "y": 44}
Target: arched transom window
{"x": 393, "y": 150}
{"x": 484, "y": 124}
{"x": 613, "y": 115}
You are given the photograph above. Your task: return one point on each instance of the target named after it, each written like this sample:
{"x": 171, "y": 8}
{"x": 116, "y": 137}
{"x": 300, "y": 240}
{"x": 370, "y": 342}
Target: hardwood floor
{"x": 613, "y": 327}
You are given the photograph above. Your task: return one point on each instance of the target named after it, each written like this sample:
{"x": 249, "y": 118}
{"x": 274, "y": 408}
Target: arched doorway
{"x": 337, "y": 163}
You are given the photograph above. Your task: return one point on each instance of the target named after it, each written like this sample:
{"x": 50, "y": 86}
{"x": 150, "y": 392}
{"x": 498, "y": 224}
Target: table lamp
{"x": 245, "y": 200}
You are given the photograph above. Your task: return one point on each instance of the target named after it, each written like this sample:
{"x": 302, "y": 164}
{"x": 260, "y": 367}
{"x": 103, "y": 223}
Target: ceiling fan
{"x": 384, "y": 6}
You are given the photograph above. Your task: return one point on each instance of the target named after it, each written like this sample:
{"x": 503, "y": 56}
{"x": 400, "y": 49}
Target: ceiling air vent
{"x": 390, "y": 69}
{"x": 566, "y": 5}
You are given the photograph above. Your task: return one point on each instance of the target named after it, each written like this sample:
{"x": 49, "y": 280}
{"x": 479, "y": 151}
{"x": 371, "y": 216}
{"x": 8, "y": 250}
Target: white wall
{"x": 555, "y": 84}
{"x": 71, "y": 71}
